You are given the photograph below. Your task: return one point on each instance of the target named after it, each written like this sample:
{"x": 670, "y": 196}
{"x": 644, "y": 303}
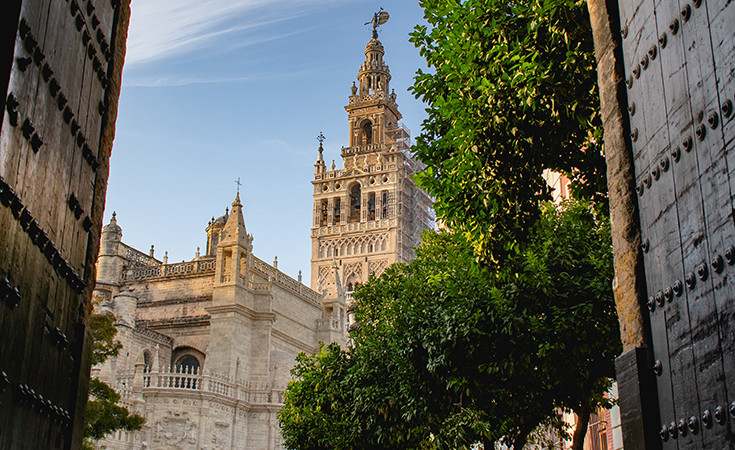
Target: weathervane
{"x": 321, "y": 139}
{"x": 379, "y": 18}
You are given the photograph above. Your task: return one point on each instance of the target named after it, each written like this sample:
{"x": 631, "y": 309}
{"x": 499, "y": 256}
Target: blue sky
{"x": 214, "y": 90}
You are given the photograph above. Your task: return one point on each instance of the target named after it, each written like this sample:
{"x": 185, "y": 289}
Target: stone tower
{"x": 368, "y": 214}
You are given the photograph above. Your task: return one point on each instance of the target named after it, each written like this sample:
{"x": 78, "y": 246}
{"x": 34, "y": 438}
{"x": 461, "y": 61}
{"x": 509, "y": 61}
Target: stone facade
{"x": 208, "y": 344}
{"x": 368, "y": 214}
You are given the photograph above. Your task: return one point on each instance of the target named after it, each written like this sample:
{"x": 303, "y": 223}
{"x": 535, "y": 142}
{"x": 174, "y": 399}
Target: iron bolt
{"x": 686, "y": 12}
{"x": 678, "y": 288}
{"x": 687, "y": 143}
{"x": 668, "y": 293}
{"x": 730, "y": 255}
{"x": 674, "y": 26}
{"x": 690, "y": 280}
{"x": 719, "y": 415}
{"x": 707, "y": 419}
{"x": 693, "y": 425}
{"x": 717, "y": 265}
{"x": 701, "y": 132}
{"x": 702, "y": 272}
{"x": 676, "y": 154}
{"x": 657, "y": 367}
{"x": 664, "y": 163}
{"x": 653, "y": 51}
{"x": 672, "y": 429}
{"x": 682, "y": 427}
{"x": 713, "y": 120}
{"x": 662, "y": 40}
{"x": 727, "y": 109}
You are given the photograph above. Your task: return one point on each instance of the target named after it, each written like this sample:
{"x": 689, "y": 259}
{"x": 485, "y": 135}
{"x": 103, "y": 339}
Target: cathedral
{"x": 208, "y": 344}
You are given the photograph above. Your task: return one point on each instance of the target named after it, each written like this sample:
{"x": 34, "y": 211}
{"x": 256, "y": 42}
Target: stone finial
{"x": 275, "y": 261}
{"x": 165, "y": 257}
{"x": 300, "y": 276}
{"x": 332, "y": 166}
{"x": 227, "y": 210}
{"x": 196, "y": 255}
{"x": 153, "y": 250}
{"x": 353, "y": 89}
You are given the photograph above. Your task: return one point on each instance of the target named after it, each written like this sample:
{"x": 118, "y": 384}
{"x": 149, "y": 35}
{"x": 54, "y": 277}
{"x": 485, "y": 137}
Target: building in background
{"x": 208, "y": 344}
{"x": 368, "y": 214}
{"x": 60, "y": 72}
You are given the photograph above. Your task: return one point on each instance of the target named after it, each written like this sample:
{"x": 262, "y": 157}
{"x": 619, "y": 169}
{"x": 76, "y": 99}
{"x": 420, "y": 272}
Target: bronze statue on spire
{"x": 379, "y": 18}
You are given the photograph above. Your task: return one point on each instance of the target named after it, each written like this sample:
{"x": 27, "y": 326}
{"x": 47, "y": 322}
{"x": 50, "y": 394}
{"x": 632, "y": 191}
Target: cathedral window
{"x": 355, "y": 203}
{"x": 325, "y": 209}
{"x": 371, "y": 206}
{"x": 367, "y": 133}
{"x": 384, "y": 201}
{"x": 337, "y": 210}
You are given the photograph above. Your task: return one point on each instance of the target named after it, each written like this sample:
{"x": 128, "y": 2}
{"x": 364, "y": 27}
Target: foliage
{"x": 315, "y": 414}
{"x": 451, "y": 352}
{"x": 102, "y": 328}
{"x": 511, "y": 91}
{"x": 103, "y": 415}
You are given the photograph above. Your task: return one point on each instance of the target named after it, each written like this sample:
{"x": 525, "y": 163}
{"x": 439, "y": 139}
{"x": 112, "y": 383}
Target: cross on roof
{"x": 237, "y": 182}
{"x": 320, "y": 138}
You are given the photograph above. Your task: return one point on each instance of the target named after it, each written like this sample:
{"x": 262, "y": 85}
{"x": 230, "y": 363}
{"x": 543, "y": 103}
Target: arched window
{"x": 355, "y": 203}
{"x": 384, "y": 202}
{"x": 371, "y": 206}
{"x": 147, "y": 360}
{"x": 367, "y": 133}
{"x": 188, "y": 364}
{"x": 337, "y": 210}
{"x": 325, "y": 207}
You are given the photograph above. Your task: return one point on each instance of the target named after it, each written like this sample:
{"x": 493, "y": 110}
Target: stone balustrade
{"x": 177, "y": 380}
{"x": 197, "y": 266}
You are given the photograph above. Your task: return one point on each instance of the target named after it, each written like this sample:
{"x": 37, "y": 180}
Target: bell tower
{"x": 367, "y": 214}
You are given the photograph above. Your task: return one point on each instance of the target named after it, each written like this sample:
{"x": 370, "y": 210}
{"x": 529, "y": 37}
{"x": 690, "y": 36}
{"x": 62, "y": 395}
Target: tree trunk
{"x": 583, "y": 420}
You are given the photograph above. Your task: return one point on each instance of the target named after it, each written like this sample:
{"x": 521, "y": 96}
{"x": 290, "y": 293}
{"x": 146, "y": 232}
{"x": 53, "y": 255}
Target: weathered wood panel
{"x": 55, "y": 141}
{"x": 679, "y": 67}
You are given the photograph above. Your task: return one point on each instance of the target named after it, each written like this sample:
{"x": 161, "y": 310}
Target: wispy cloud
{"x": 178, "y": 80}
{"x": 164, "y": 28}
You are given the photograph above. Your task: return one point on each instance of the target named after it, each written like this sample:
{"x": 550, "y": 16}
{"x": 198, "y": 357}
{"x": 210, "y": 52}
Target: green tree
{"x": 451, "y": 352}
{"x": 103, "y": 415}
{"x": 512, "y": 91}
{"x": 315, "y": 414}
